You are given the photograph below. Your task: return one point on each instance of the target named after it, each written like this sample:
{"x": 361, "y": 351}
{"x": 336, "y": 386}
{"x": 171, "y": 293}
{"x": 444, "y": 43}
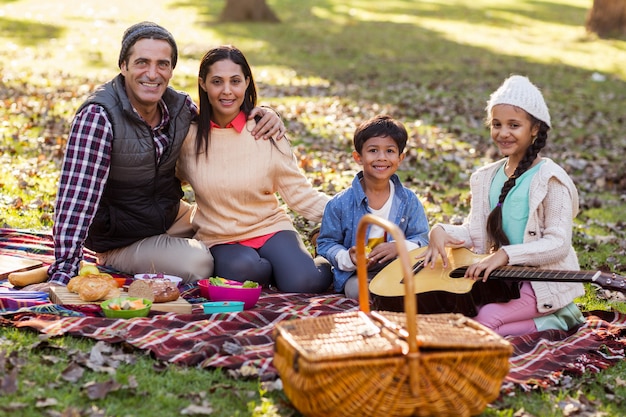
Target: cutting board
{"x": 60, "y": 295}
{"x": 10, "y": 264}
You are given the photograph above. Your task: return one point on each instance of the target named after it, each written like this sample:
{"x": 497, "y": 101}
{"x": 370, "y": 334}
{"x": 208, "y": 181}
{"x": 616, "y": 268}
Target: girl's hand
{"x": 481, "y": 270}
{"x": 439, "y": 239}
{"x": 268, "y": 124}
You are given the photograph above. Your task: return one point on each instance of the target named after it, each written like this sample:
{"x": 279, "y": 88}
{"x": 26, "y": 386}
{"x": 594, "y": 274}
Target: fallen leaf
{"x": 73, "y": 372}
{"x": 193, "y": 409}
{"x": 48, "y": 402}
{"x": 99, "y": 390}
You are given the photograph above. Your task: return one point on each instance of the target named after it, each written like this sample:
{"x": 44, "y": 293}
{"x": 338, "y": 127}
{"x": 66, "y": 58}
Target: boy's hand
{"x": 383, "y": 252}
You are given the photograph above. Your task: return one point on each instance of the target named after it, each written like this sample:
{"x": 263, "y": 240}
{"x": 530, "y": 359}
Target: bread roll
{"x": 94, "y": 287}
{"x": 155, "y": 290}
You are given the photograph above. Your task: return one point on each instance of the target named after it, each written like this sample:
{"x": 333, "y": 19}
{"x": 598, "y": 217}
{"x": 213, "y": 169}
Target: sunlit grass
{"x": 28, "y": 192}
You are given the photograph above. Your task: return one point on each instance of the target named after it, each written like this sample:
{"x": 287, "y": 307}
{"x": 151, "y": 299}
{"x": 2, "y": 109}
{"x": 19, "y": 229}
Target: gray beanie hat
{"x": 146, "y": 30}
{"x": 520, "y": 92}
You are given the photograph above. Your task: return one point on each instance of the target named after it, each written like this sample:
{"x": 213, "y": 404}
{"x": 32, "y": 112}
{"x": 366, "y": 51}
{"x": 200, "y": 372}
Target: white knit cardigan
{"x": 553, "y": 205}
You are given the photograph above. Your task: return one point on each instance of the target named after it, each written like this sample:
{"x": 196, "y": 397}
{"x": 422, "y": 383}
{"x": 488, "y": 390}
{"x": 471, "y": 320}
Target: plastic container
{"x": 176, "y": 280}
{"x": 233, "y": 292}
{"x": 222, "y": 306}
{"x": 125, "y": 314}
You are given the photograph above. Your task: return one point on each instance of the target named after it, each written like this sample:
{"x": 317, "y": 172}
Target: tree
{"x": 607, "y": 18}
{"x": 247, "y": 11}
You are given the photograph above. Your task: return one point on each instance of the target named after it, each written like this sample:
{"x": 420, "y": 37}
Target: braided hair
{"x": 495, "y": 233}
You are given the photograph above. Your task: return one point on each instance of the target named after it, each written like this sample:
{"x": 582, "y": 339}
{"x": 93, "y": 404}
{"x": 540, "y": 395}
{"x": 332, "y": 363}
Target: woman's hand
{"x": 481, "y": 270}
{"x": 268, "y": 126}
{"x": 438, "y": 240}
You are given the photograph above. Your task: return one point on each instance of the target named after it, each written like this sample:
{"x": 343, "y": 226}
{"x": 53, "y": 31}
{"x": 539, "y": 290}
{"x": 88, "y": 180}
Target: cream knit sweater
{"x": 237, "y": 182}
{"x": 553, "y": 205}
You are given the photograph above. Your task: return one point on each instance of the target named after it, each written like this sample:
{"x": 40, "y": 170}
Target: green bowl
{"x": 125, "y": 314}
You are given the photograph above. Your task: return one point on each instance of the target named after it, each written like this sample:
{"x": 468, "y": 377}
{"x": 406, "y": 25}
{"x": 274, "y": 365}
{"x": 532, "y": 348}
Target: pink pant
{"x": 513, "y": 318}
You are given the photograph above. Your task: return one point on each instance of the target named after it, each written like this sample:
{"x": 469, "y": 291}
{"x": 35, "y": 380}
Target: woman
{"x": 235, "y": 179}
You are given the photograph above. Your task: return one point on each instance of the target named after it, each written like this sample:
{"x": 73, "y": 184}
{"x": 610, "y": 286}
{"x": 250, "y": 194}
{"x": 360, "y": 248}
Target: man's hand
{"x": 43, "y": 287}
{"x": 268, "y": 126}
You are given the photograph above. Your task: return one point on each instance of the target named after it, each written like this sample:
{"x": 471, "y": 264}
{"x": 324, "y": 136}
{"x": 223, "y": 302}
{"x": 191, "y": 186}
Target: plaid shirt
{"x": 83, "y": 178}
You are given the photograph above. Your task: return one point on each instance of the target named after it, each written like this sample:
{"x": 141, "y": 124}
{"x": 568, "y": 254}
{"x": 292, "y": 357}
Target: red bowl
{"x": 234, "y": 292}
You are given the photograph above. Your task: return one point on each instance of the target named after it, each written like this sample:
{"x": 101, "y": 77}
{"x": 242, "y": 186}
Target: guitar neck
{"x": 523, "y": 273}
{"x": 520, "y": 273}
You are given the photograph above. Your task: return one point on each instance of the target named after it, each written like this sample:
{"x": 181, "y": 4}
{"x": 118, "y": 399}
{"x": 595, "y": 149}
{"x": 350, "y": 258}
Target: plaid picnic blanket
{"x": 237, "y": 340}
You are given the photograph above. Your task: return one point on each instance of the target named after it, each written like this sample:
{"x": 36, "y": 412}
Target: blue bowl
{"x": 222, "y": 306}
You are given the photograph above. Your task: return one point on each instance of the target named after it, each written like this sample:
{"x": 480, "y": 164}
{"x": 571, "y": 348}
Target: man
{"x": 118, "y": 194}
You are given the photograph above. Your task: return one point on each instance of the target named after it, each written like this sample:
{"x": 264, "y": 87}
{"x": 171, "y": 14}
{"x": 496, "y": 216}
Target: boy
{"x": 379, "y": 148}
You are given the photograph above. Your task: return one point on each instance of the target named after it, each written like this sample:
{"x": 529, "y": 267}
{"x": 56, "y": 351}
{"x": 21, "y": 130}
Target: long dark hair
{"x": 217, "y": 54}
{"x": 495, "y": 233}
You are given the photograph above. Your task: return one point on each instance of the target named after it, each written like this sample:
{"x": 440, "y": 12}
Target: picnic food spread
{"x": 156, "y": 290}
{"x": 92, "y": 285}
{"x": 127, "y": 304}
{"x": 223, "y": 282}
{"x": 32, "y": 276}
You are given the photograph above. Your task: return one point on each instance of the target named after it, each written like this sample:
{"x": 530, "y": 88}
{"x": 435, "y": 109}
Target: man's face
{"x": 147, "y": 72}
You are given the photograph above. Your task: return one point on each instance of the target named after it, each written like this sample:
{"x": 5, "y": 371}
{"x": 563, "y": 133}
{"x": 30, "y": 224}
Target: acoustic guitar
{"x": 445, "y": 290}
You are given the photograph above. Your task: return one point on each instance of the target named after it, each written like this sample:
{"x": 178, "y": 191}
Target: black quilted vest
{"x": 141, "y": 198}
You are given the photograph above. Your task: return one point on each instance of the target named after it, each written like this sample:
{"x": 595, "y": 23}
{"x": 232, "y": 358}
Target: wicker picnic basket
{"x": 368, "y": 363}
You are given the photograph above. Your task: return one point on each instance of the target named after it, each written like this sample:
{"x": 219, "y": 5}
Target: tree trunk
{"x": 247, "y": 11}
{"x": 607, "y": 18}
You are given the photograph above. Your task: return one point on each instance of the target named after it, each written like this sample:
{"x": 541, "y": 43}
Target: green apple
{"x": 88, "y": 269}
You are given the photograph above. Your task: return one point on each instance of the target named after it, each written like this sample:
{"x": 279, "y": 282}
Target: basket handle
{"x": 410, "y": 302}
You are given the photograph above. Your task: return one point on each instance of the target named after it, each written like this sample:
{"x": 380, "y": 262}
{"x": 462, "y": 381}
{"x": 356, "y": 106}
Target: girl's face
{"x": 226, "y": 87}
{"x": 380, "y": 158}
{"x": 512, "y": 130}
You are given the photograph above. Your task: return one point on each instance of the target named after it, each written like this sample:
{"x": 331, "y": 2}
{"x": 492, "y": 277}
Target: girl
{"x": 235, "y": 179}
{"x": 521, "y": 213}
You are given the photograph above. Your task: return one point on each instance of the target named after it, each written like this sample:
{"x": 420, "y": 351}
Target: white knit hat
{"x": 520, "y": 92}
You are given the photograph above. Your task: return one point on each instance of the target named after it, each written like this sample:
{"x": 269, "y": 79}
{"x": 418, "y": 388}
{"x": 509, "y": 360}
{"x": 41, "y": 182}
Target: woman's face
{"x": 225, "y": 85}
{"x": 512, "y": 130}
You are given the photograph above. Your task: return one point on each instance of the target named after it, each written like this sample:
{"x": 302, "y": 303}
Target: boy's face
{"x": 380, "y": 158}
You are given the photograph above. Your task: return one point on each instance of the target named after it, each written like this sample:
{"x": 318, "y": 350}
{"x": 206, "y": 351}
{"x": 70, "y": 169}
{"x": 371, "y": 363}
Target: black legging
{"x": 283, "y": 261}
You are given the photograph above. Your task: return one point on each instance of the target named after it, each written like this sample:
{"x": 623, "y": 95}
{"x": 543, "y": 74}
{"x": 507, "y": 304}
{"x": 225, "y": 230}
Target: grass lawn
{"x": 326, "y": 67}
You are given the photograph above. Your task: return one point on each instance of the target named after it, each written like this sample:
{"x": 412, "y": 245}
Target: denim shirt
{"x": 343, "y": 213}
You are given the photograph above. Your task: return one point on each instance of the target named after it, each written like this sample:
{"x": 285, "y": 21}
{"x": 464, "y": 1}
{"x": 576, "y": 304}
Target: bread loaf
{"x": 33, "y": 276}
{"x": 155, "y": 290}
